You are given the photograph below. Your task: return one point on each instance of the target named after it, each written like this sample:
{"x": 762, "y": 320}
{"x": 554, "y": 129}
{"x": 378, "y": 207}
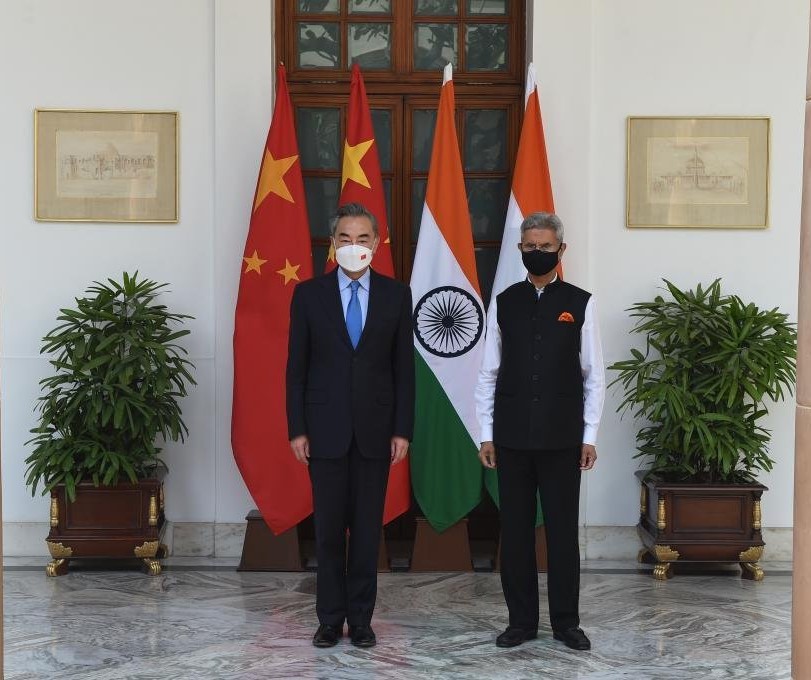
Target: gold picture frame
{"x": 698, "y": 172}
{"x": 105, "y": 166}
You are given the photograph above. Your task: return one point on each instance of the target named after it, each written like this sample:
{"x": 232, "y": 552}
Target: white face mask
{"x": 353, "y": 257}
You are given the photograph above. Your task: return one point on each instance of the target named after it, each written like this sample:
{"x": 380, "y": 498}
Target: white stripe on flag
{"x": 510, "y": 267}
{"x": 436, "y": 265}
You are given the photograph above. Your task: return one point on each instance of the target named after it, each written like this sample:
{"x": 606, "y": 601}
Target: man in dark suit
{"x": 350, "y": 412}
{"x": 539, "y": 400}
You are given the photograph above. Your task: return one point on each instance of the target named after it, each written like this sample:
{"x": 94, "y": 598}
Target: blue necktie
{"x": 354, "y": 323}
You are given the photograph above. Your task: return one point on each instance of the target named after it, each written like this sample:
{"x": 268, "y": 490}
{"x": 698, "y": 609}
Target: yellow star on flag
{"x": 331, "y": 253}
{"x": 289, "y": 272}
{"x": 271, "y": 178}
{"x": 353, "y": 155}
{"x": 254, "y": 263}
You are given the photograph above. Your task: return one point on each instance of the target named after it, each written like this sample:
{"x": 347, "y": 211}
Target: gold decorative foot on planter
{"x": 57, "y": 567}
{"x": 661, "y": 571}
{"x": 664, "y": 556}
{"x": 749, "y": 567}
{"x": 147, "y": 552}
{"x": 752, "y": 571}
{"x": 152, "y": 567}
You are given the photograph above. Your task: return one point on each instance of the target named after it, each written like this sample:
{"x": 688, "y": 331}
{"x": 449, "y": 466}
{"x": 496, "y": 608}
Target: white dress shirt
{"x": 591, "y": 366}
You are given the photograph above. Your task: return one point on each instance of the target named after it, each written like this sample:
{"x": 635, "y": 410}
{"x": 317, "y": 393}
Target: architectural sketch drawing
{"x": 698, "y": 170}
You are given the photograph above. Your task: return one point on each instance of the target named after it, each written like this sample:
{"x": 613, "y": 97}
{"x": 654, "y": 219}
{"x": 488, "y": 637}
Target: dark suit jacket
{"x": 335, "y": 391}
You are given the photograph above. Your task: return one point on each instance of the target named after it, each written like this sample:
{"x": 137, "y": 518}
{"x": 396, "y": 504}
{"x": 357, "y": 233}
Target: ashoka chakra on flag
{"x": 448, "y": 321}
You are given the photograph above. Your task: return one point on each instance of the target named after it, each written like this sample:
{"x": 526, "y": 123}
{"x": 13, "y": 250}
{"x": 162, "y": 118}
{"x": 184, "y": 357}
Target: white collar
{"x": 540, "y": 290}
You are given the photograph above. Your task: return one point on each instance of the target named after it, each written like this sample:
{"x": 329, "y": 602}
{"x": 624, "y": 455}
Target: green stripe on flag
{"x": 446, "y": 474}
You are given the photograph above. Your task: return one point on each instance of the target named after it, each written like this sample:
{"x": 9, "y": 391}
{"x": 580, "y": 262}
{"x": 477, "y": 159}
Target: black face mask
{"x": 538, "y": 262}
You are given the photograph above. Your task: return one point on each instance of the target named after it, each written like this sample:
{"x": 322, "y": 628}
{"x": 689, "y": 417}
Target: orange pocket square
{"x": 565, "y": 316}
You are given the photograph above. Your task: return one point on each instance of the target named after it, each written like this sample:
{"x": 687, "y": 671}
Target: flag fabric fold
{"x": 448, "y": 336}
{"x": 277, "y": 255}
{"x": 531, "y": 192}
{"x": 361, "y": 182}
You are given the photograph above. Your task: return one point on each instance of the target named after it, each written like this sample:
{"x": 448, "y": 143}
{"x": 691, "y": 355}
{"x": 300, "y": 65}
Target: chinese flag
{"x": 360, "y": 177}
{"x": 277, "y": 256}
{"x": 361, "y": 183}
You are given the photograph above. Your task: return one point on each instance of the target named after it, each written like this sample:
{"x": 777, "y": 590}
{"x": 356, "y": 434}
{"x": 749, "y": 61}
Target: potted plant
{"x": 710, "y": 364}
{"x": 119, "y": 374}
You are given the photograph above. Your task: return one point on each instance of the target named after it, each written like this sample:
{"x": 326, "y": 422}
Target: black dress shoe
{"x": 574, "y": 638}
{"x": 512, "y": 637}
{"x": 362, "y": 636}
{"x": 327, "y": 636}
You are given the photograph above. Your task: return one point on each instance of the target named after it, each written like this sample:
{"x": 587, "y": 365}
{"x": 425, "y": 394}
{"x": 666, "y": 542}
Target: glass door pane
{"x": 418, "y": 189}
{"x": 486, "y": 263}
{"x": 436, "y": 7}
{"x": 381, "y": 122}
{"x": 485, "y": 7}
{"x": 435, "y": 46}
{"x": 487, "y": 201}
{"x": 485, "y": 147}
{"x": 318, "y": 131}
{"x": 370, "y": 6}
{"x": 486, "y": 47}
{"x": 319, "y": 45}
{"x": 422, "y": 138}
{"x": 322, "y": 199}
{"x": 319, "y": 6}
{"x": 370, "y": 45}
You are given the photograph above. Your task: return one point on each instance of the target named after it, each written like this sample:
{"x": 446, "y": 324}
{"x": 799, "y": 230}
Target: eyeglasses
{"x": 544, "y": 248}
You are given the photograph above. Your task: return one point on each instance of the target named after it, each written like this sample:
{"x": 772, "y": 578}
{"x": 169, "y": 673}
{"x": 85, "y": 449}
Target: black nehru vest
{"x": 539, "y": 390}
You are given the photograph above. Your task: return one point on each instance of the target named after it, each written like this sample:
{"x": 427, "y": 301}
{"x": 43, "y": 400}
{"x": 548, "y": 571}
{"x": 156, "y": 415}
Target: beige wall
{"x": 801, "y": 610}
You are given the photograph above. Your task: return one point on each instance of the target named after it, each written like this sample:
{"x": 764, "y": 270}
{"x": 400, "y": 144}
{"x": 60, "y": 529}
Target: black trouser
{"x": 348, "y": 495}
{"x": 556, "y": 476}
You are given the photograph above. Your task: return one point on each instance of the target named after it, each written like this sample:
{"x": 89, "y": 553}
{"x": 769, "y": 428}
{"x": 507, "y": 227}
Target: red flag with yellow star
{"x": 362, "y": 183}
{"x": 277, "y": 256}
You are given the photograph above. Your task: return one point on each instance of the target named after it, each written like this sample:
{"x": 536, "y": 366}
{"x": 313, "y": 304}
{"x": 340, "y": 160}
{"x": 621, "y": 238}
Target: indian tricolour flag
{"x": 531, "y": 192}
{"x": 448, "y": 336}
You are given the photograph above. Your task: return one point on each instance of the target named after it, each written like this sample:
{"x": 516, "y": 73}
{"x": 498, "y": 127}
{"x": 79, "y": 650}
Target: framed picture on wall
{"x": 698, "y": 172}
{"x": 105, "y": 166}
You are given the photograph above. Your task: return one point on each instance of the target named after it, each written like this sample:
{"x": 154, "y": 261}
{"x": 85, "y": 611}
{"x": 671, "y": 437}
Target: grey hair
{"x": 543, "y": 220}
{"x": 351, "y": 210}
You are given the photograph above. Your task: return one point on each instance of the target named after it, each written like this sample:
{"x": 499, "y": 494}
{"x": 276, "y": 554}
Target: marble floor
{"x": 204, "y": 620}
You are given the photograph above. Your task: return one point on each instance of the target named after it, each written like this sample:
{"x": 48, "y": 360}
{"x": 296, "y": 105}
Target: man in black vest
{"x": 350, "y": 415}
{"x": 539, "y": 400}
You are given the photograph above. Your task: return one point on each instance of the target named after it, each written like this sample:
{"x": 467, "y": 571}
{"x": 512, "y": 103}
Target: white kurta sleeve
{"x": 591, "y": 364}
{"x": 485, "y": 394}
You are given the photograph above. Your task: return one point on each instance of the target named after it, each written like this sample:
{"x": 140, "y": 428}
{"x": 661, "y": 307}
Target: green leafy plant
{"x": 119, "y": 375}
{"x": 710, "y": 363}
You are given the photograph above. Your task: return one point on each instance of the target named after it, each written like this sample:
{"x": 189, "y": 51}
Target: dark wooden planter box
{"x": 122, "y": 521}
{"x": 700, "y": 523}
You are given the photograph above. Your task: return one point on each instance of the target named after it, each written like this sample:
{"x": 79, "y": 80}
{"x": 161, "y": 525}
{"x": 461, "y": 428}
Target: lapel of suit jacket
{"x": 331, "y": 300}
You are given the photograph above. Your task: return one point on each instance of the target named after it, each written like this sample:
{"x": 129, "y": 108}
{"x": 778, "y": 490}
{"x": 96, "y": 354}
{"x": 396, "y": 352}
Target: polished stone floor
{"x": 204, "y": 620}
